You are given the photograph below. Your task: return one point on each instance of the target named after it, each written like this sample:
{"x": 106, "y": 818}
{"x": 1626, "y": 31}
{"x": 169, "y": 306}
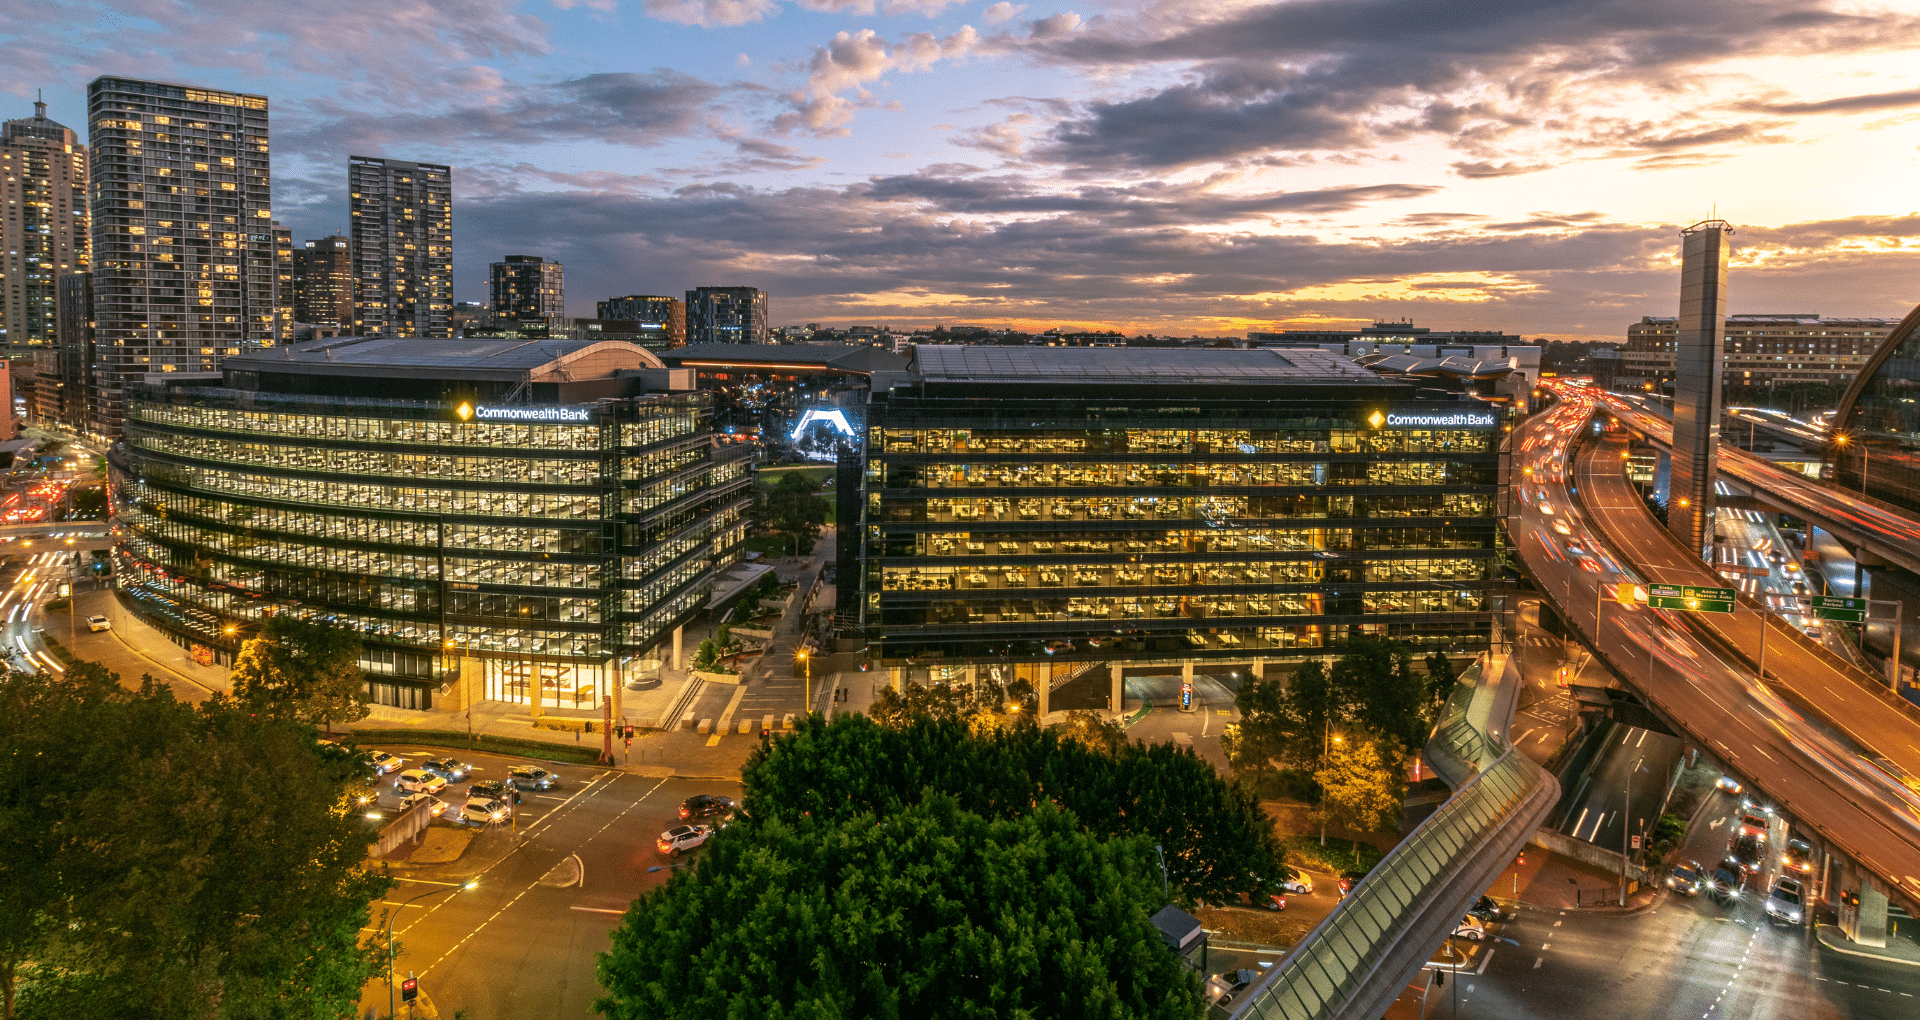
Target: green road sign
{"x": 1833, "y": 607}
{"x": 1689, "y": 598}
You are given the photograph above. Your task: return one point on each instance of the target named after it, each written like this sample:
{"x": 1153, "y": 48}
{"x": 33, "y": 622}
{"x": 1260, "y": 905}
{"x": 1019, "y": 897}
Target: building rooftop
{"x": 937, "y": 364}
{"x": 404, "y": 357}
{"x": 856, "y": 358}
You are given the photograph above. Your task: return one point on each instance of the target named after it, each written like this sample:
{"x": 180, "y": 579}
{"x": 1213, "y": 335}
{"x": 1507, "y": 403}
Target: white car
{"x": 482, "y": 811}
{"x": 1470, "y": 928}
{"x": 98, "y": 624}
{"x": 384, "y": 762}
{"x": 418, "y": 781}
{"x": 408, "y": 800}
{"x": 681, "y": 838}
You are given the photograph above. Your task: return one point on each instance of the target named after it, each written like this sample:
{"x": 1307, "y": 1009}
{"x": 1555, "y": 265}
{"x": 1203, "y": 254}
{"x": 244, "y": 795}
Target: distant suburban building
{"x": 527, "y": 287}
{"x": 666, "y": 316}
{"x": 727, "y": 315}
{"x": 584, "y": 520}
{"x": 1402, "y": 332}
{"x": 1073, "y": 516}
{"x": 43, "y": 181}
{"x": 1764, "y": 351}
{"x": 402, "y": 247}
{"x": 183, "y": 263}
{"x": 323, "y": 282}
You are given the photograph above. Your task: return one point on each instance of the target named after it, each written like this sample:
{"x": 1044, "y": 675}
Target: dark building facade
{"x": 727, "y": 315}
{"x": 664, "y": 316}
{"x": 527, "y": 287}
{"x": 183, "y": 264}
{"x": 323, "y": 282}
{"x": 402, "y": 247}
{"x": 498, "y": 521}
{"x": 63, "y": 372}
{"x": 1699, "y": 361}
{"x": 1876, "y": 430}
{"x": 1055, "y": 509}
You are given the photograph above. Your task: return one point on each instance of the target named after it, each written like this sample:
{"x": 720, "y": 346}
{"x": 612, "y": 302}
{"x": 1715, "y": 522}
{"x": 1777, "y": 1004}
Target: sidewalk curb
{"x": 1819, "y": 933}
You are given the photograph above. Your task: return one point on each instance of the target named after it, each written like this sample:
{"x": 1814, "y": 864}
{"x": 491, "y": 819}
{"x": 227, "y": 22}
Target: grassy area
{"x": 1337, "y": 856}
{"x": 766, "y": 477}
{"x": 539, "y": 750}
{"x": 60, "y": 651}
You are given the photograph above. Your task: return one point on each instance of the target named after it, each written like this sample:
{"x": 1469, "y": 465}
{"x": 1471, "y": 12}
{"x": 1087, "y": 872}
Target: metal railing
{"x": 1357, "y": 960}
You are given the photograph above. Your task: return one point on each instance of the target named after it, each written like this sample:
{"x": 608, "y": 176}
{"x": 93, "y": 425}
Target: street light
{"x": 472, "y": 883}
{"x": 806, "y": 667}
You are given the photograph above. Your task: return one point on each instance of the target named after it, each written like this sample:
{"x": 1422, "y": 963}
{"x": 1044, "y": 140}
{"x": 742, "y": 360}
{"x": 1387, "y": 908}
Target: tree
{"x": 930, "y": 911}
{"x": 89, "y": 503}
{"x": 791, "y": 508}
{"x": 1218, "y": 843}
{"x": 1096, "y": 733}
{"x": 195, "y": 865}
{"x": 1283, "y": 726}
{"x": 1360, "y": 788}
{"x": 308, "y": 672}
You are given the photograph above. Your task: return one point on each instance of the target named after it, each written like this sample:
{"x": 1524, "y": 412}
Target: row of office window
{"x": 895, "y": 475}
{"x": 1184, "y": 574}
{"x": 1467, "y": 534}
{"x": 1188, "y": 607}
{"x": 1141, "y": 440}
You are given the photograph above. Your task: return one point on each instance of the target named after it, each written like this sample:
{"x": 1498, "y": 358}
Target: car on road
{"x": 682, "y": 838}
{"x": 1747, "y": 851}
{"x": 408, "y": 800}
{"x": 418, "y": 781}
{"x": 705, "y": 805}
{"x": 1490, "y": 912}
{"x": 384, "y": 762}
{"x": 449, "y": 769}
{"x": 493, "y": 789}
{"x": 1754, "y": 825}
{"x": 99, "y": 623}
{"x": 1727, "y": 880}
{"x": 1294, "y": 881}
{"x": 481, "y": 811}
{"x": 1799, "y": 856}
{"x": 1686, "y": 878}
{"x": 1561, "y": 528}
{"x": 529, "y": 777}
{"x": 1783, "y": 903}
{"x": 1470, "y": 928}
{"x": 1728, "y": 784}
{"x": 1221, "y": 988}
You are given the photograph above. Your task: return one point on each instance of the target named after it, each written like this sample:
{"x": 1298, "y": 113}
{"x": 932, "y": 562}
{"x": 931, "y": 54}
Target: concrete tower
{"x": 1699, "y": 354}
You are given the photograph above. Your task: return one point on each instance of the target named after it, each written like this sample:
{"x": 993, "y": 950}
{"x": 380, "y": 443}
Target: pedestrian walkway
{"x": 1903, "y": 942}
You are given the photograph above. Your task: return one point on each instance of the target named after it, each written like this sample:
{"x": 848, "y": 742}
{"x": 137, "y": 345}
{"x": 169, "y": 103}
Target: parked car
{"x": 1687, "y": 878}
{"x": 418, "y": 781}
{"x": 99, "y": 623}
{"x": 702, "y": 805}
{"x": 681, "y": 838}
{"x": 493, "y": 789}
{"x": 1221, "y": 988}
{"x": 449, "y": 769}
{"x": 482, "y": 811}
{"x": 1470, "y": 928}
{"x": 1295, "y": 881}
{"x": 528, "y": 777}
{"x": 384, "y": 762}
{"x": 408, "y": 800}
{"x": 1783, "y": 903}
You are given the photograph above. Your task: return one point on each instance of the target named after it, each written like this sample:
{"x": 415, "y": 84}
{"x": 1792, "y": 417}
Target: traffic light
{"x": 1522, "y": 862}
{"x": 629, "y": 733}
{"x": 409, "y": 989}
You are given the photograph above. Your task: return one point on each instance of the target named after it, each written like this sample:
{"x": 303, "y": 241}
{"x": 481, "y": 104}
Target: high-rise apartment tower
{"x": 528, "y": 287}
{"x": 323, "y": 282}
{"x": 402, "y": 247}
{"x": 183, "y": 265}
{"x": 44, "y": 233}
{"x": 727, "y": 315}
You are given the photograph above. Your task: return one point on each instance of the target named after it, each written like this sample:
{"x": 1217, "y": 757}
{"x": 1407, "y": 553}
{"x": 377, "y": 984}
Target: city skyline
{"x": 1167, "y": 168}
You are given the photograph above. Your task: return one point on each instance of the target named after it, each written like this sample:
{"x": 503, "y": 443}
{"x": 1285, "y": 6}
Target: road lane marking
{"x": 1537, "y": 961}
{"x": 596, "y": 910}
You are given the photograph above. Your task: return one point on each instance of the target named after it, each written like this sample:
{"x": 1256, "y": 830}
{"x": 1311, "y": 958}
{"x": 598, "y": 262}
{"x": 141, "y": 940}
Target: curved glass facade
{"x": 1876, "y": 449}
{"x": 531, "y": 561}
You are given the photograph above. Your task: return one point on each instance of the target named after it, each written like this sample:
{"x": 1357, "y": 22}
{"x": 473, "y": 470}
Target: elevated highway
{"x": 1804, "y": 735}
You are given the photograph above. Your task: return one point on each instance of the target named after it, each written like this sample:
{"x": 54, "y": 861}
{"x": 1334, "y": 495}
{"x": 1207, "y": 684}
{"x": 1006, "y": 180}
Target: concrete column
{"x": 1117, "y": 700}
{"x": 1872, "y": 922}
{"x": 968, "y": 676}
{"x": 1042, "y": 685}
{"x": 678, "y": 662}
{"x": 896, "y": 679}
{"x": 1186, "y": 672}
{"x": 1259, "y": 670}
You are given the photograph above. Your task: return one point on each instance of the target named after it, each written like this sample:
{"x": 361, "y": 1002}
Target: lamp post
{"x": 73, "y": 593}
{"x": 470, "y": 884}
{"x": 806, "y": 668}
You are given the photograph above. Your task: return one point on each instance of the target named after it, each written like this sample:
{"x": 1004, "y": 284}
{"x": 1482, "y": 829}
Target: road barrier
{"x": 411, "y": 823}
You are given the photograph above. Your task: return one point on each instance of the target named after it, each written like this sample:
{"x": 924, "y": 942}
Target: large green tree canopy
{"x": 926, "y": 912}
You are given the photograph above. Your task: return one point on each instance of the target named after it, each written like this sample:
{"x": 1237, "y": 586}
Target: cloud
{"x": 1484, "y": 169}
{"x": 604, "y": 6}
{"x": 1002, "y": 12}
{"x": 849, "y": 62}
{"x": 1053, "y": 26}
{"x": 1845, "y": 104}
{"x": 709, "y": 13}
{"x": 890, "y": 8}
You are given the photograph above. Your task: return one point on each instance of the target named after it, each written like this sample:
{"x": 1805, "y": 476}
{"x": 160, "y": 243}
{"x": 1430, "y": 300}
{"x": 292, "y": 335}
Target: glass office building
{"x": 500, "y": 520}
{"x": 1875, "y": 447}
{"x": 1153, "y": 505}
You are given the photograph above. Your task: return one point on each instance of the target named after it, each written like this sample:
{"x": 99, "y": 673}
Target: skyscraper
{"x": 660, "y": 318}
{"x": 282, "y": 282}
{"x": 1699, "y": 356}
{"x": 402, "y": 247}
{"x": 44, "y": 233}
{"x": 528, "y": 287}
{"x": 323, "y": 282}
{"x": 727, "y": 315}
{"x": 183, "y": 265}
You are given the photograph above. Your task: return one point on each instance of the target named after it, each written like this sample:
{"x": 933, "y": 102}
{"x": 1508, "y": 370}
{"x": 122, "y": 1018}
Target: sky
{"x": 1165, "y": 166}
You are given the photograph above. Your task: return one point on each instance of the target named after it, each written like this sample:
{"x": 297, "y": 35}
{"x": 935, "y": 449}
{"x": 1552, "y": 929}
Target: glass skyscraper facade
{"x": 526, "y": 550}
{"x": 1139, "y": 505}
{"x": 1876, "y": 447}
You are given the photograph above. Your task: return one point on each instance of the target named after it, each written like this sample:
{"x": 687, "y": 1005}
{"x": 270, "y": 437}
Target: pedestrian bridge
{"x": 1356, "y": 961}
